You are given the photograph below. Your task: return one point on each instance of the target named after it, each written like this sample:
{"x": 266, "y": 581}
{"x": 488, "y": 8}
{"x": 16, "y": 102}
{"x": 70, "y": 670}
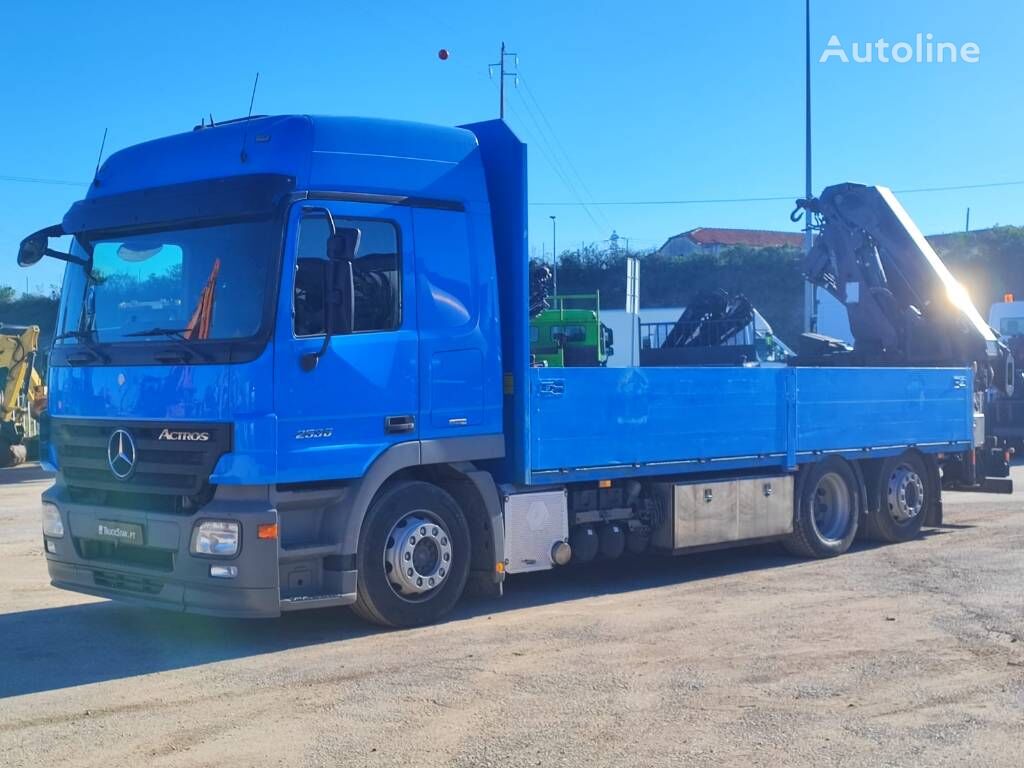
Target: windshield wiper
{"x": 177, "y": 335}
{"x": 89, "y": 340}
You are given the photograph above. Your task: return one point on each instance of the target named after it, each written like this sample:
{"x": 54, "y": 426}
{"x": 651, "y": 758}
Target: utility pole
{"x": 810, "y": 290}
{"x": 967, "y": 224}
{"x": 502, "y": 74}
{"x": 554, "y": 255}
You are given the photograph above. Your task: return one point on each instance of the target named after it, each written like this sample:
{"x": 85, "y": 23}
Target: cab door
{"x": 363, "y": 394}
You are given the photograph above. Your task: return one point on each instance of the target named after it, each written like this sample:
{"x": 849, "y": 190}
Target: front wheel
{"x": 413, "y": 557}
{"x": 827, "y": 509}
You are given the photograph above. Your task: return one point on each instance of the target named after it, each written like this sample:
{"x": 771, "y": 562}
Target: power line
{"x": 542, "y": 145}
{"x": 675, "y": 202}
{"x": 52, "y": 182}
{"x": 565, "y": 155}
{"x": 777, "y": 198}
{"x": 547, "y": 149}
{"x": 580, "y": 203}
{"x": 959, "y": 187}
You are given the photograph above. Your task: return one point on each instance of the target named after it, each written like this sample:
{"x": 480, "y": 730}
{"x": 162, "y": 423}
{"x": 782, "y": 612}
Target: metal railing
{"x": 700, "y": 334}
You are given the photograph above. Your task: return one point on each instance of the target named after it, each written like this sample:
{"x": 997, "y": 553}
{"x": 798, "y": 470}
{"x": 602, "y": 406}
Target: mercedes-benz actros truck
{"x": 292, "y": 370}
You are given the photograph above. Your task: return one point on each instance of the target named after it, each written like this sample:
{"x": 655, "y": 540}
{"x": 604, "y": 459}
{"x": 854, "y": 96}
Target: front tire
{"x": 413, "y": 557}
{"x": 904, "y": 494}
{"x": 828, "y": 506}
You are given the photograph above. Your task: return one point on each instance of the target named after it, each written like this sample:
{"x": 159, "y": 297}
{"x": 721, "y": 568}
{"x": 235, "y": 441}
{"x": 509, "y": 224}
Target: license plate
{"x": 124, "y": 533}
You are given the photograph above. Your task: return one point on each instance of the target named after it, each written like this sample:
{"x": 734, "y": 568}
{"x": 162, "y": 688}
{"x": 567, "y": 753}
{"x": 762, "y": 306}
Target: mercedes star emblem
{"x": 121, "y": 454}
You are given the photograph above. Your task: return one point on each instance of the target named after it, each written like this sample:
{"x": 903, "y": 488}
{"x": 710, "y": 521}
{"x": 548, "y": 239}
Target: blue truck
{"x": 292, "y": 370}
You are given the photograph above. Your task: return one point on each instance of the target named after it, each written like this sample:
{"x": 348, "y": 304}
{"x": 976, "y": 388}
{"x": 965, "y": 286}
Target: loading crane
{"x": 904, "y": 305}
{"x": 23, "y": 390}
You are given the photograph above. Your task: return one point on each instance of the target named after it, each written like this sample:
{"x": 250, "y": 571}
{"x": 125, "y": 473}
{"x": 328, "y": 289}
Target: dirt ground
{"x": 900, "y": 655}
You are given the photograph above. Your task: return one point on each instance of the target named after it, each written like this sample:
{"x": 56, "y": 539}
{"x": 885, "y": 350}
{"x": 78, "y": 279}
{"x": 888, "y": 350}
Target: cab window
{"x": 376, "y": 275}
{"x": 569, "y": 333}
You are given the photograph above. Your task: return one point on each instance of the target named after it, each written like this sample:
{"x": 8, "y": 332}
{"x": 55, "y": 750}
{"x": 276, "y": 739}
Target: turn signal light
{"x": 266, "y": 531}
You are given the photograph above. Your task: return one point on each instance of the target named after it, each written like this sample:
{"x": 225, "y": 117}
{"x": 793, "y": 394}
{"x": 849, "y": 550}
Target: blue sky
{"x": 633, "y": 101}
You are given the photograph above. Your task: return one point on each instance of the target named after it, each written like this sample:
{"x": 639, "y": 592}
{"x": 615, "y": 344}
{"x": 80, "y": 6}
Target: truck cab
{"x": 570, "y": 333}
{"x": 224, "y": 370}
{"x": 1004, "y": 413}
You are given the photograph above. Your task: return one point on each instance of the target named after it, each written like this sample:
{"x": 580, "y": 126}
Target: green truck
{"x": 570, "y": 333}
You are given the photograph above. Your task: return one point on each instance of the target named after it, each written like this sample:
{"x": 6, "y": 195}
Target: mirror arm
{"x": 309, "y": 360}
{"x": 87, "y": 263}
{"x": 350, "y": 298}
{"x": 326, "y": 212}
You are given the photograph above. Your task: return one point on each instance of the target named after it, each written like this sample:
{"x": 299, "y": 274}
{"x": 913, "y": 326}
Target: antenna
{"x": 99, "y": 159}
{"x": 502, "y": 75}
{"x": 243, "y": 155}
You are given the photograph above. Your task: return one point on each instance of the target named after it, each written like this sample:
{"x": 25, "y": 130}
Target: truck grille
{"x": 122, "y": 554}
{"x": 168, "y": 475}
{"x": 126, "y": 582}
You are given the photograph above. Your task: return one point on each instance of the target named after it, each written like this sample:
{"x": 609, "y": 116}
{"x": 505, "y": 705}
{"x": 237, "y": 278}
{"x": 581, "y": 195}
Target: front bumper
{"x": 163, "y": 573}
{"x": 175, "y": 596}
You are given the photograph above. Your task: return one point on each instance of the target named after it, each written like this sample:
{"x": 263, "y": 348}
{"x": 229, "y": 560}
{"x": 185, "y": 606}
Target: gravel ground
{"x": 899, "y": 655}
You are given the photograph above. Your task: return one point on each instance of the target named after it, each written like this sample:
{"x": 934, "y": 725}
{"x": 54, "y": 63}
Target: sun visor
{"x": 235, "y": 197}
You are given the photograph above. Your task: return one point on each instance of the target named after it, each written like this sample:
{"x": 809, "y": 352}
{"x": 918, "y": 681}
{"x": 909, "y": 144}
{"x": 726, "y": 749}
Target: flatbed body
{"x": 593, "y": 424}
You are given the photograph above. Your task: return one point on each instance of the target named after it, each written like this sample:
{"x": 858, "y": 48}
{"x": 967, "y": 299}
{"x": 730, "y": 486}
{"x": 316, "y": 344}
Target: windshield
{"x": 192, "y": 283}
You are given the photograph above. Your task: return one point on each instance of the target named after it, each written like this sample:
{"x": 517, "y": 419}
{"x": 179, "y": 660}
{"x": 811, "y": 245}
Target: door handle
{"x": 398, "y": 424}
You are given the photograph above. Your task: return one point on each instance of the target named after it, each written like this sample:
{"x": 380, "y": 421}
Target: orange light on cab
{"x": 1007, "y": 298}
{"x": 604, "y": 483}
{"x": 266, "y": 531}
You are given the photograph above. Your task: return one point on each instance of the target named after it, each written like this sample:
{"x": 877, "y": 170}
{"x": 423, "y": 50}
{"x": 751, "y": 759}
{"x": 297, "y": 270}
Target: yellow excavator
{"x": 22, "y": 391}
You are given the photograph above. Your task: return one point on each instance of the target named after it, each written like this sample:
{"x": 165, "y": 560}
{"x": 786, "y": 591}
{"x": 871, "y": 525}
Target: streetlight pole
{"x": 810, "y": 290}
{"x": 554, "y": 254}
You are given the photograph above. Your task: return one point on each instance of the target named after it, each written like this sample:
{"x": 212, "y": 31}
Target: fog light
{"x": 52, "y": 524}
{"x": 223, "y": 571}
{"x": 51, "y": 547}
{"x": 215, "y": 537}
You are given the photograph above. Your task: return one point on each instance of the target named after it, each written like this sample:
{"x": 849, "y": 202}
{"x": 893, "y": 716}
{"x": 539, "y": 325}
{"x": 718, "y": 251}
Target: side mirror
{"x": 37, "y": 245}
{"x": 342, "y": 247}
{"x": 32, "y": 249}
{"x": 343, "y": 244}
{"x": 339, "y": 294}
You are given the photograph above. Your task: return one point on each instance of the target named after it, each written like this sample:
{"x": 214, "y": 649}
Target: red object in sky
{"x": 443, "y": 54}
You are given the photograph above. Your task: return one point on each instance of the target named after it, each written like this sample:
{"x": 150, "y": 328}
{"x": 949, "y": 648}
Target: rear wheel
{"x": 413, "y": 557}
{"x": 827, "y": 510}
{"x": 904, "y": 494}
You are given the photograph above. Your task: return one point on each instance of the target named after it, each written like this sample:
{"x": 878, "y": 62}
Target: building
{"x": 711, "y": 240}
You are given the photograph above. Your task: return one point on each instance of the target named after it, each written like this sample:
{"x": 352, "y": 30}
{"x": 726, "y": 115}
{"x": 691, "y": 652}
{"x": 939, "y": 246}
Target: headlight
{"x": 215, "y": 537}
{"x": 53, "y": 526}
